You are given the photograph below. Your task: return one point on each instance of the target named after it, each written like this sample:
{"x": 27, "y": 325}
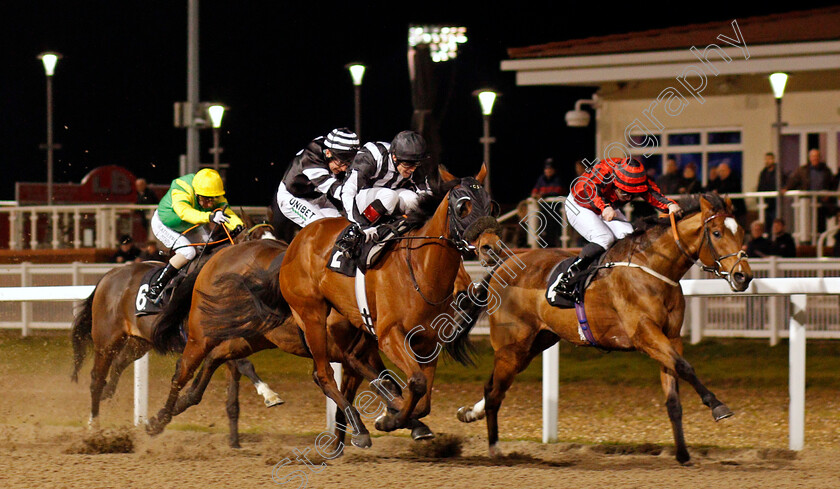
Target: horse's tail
{"x": 251, "y": 304}
{"x": 166, "y": 334}
{"x": 81, "y": 335}
{"x": 471, "y": 304}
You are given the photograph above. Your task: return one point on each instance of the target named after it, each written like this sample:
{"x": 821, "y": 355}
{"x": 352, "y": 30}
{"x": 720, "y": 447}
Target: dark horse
{"x": 628, "y": 307}
{"x": 108, "y": 324}
{"x": 230, "y": 293}
{"x": 408, "y": 292}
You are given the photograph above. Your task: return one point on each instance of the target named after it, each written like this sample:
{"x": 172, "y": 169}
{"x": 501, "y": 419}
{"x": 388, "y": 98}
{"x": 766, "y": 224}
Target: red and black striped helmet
{"x": 630, "y": 175}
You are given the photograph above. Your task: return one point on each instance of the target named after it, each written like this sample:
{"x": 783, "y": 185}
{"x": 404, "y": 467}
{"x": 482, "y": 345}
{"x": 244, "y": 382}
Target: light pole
{"x": 49, "y": 59}
{"x": 486, "y": 98}
{"x": 217, "y": 111}
{"x": 777, "y": 82}
{"x": 357, "y": 71}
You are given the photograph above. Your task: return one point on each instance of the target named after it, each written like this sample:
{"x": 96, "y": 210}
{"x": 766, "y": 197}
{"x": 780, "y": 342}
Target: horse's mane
{"x": 428, "y": 203}
{"x": 648, "y": 229}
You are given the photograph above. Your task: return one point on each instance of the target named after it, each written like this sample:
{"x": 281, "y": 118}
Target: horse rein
{"x": 707, "y": 240}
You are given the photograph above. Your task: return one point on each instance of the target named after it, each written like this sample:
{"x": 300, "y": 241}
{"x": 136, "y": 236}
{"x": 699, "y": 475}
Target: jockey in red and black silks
{"x": 594, "y": 208}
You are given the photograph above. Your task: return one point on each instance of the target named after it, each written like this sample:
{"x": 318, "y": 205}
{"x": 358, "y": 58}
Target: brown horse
{"x": 229, "y": 293}
{"x": 107, "y": 322}
{"x": 409, "y": 293}
{"x": 628, "y": 308}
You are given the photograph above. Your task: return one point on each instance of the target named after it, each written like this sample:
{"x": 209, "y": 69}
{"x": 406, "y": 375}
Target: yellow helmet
{"x": 208, "y": 182}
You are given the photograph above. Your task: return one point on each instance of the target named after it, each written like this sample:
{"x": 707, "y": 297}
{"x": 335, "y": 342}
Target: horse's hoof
{"x": 93, "y": 424}
{"x": 495, "y": 451}
{"x": 275, "y": 401}
{"x": 153, "y": 427}
{"x": 422, "y": 432}
{"x": 235, "y": 444}
{"x": 361, "y": 440}
{"x": 722, "y": 412}
{"x": 467, "y": 415}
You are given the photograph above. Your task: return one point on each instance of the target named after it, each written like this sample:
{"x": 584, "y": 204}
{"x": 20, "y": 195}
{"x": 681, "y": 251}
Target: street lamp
{"x": 486, "y": 98}
{"x": 778, "y": 82}
{"x": 49, "y": 59}
{"x": 357, "y": 71}
{"x": 217, "y": 111}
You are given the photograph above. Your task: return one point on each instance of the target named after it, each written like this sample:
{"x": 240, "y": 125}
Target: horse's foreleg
{"x": 184, "y": 370}
{"x": 315, "y": 332}
{"x": 270, "y": 397}
{"x": 350, "y": 382}
{"x": 232, "y": 406}
{"x": 393, "y": 345}
{"x": 670, "y": 385}
{"x": 686, "y": 372}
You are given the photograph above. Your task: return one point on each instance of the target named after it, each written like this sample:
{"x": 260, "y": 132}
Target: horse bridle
{"x": 707, "y": 240}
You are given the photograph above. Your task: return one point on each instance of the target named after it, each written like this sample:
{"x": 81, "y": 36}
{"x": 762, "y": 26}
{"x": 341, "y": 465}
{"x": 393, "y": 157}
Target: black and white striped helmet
{"x": 342, "y": 143}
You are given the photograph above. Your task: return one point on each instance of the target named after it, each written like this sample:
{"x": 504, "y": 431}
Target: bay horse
{"x": 409, "y": 292}
{"x": 107, "y": 322}
{"x": 229, "y": 292}
{"x": 627, "y": 307}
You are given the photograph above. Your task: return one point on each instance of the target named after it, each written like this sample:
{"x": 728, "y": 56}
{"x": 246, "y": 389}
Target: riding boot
{"x": 155, "y": 289}
{"x": 565, "y": 282}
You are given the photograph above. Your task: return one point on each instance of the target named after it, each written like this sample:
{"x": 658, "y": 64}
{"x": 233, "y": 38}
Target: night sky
{"x": 279, "y": 66}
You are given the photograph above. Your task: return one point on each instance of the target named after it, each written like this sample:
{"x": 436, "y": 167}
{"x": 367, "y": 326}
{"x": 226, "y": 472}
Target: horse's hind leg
{"x": 134, "y": 348}
{"x": 232, "y": 406}
{"x": 102, "y": 359}
{"x": 184, "y": 370}
{"x": 270, "y": 397}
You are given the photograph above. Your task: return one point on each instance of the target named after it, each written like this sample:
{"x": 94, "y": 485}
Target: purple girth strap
{"x": 584, "y": 324}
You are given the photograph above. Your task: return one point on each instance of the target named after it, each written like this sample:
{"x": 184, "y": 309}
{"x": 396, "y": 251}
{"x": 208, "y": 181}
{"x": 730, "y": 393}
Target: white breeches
{"x": 395, "y": 201}
{"x": 174, "y": 239}
{"x": 594, "y": 228}
{"x": 303, "y": 211}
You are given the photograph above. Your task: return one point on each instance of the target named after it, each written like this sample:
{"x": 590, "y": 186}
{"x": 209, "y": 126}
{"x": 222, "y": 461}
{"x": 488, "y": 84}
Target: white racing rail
{"x": 798, "y": 289}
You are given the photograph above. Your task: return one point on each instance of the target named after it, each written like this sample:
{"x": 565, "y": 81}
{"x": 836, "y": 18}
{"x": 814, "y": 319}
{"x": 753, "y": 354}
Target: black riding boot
{"x": 590, "y": 252}
{"x": 157, "y": 287}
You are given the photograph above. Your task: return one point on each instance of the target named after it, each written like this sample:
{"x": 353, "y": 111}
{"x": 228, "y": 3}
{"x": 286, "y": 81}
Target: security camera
{"x": 577, "y": 118}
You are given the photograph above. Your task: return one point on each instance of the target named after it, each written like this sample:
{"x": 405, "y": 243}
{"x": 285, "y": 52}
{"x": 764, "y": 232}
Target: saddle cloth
{"x": 362, "y": 255}
{"x": 580, "y": 282}
{"x": 142, "y": 305}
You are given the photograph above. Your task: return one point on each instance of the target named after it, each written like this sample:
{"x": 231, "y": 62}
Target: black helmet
{"x": 409, "y": 146}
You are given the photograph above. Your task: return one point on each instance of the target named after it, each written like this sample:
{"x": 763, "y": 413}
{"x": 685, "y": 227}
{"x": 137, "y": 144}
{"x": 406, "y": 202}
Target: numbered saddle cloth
{"x": 142, "y": 305}
{"x": 580, "y": 282}
{"x": 346, "y": 259}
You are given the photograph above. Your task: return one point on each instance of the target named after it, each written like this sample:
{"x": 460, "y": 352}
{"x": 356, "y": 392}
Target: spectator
{"x": 580, "y": 168}
{"x": 783, "y": 244}
{"x": 669, "y": 182}
{"x": 689, "y": 183}
{"x": 815, "y": 175}
{"x": 152, "y": 253}
{"x": 767, "y": 183}
{"x": 127, "y": 252}
{"x": 759, "y": 246}
{"x": 713, "y": 177}
{"x": 548, "y": 185}
{"x": 729, "y": 182}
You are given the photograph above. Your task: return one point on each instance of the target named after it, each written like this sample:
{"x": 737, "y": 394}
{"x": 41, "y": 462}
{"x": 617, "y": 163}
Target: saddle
{"x": 351, "y": 252}
{"x": 142, "y": 305}
{"x": 580, "y": 282}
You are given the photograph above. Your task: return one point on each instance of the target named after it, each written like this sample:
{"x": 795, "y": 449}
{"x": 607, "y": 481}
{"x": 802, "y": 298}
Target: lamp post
{"x": 357, "y": 71}
{"x": 49, "y": 59}
{"x": 777, "y": 82}
{"x": 486, "y": 98}
{"x": 217, "y": 111}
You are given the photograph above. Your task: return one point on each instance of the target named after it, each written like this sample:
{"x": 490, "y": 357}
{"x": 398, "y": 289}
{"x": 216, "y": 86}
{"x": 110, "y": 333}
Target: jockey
{"x": 383, "y": 182}
{"x": 191, "y": 200}
{"x": 311, "y": 187}
{"x": 594, "y": 210}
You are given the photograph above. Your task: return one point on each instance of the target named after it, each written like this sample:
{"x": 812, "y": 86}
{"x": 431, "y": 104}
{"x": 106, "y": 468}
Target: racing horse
{"x": 409, "y": 292}
{"x": 224, "y": 295}
{"x": 633, "y": 303}
{"x": 107, "y": 322}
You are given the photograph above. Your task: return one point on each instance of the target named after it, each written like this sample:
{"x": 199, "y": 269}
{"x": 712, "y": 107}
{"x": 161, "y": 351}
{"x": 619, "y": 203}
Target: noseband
{"x": 717, "y": 269}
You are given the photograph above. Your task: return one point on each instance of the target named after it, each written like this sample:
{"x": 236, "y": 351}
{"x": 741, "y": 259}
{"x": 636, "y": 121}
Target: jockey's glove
{"x": 371, "y": 234}
{"x": 219, "y": 217}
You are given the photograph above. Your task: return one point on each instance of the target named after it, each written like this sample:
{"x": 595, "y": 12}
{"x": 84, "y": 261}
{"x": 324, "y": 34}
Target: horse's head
{"x": 472, "y": 217}
{"x": 260, "y": 230}
{"x": 721, "y": 249}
